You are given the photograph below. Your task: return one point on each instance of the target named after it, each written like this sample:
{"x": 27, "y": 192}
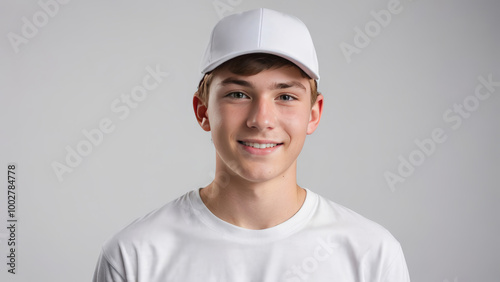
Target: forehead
{"x": 280, "y": 77}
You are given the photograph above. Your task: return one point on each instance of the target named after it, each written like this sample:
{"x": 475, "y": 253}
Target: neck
{"x": 254, "y": 205}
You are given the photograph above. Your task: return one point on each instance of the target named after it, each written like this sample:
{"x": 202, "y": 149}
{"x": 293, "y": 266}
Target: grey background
{"x": 396, "y": 90}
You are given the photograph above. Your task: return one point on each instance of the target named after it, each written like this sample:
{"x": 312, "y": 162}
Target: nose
{"x": 262, "y": 115}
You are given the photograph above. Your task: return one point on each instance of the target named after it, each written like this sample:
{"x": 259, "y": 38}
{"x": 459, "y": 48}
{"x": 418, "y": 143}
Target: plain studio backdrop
{"x": 96, "y": 114}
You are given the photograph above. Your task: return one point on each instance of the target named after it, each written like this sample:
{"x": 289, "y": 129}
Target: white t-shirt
{"x": 184, "y": 242}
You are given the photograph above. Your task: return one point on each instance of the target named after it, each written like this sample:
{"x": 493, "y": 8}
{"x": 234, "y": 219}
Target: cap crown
{"x": 261, "y": 31}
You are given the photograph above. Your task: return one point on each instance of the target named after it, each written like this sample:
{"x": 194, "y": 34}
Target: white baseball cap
{"x": 261, "y": 31}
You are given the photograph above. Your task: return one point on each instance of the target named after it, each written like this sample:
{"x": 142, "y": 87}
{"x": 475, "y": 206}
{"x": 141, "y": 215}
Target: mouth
{"x": 259, "y": 145}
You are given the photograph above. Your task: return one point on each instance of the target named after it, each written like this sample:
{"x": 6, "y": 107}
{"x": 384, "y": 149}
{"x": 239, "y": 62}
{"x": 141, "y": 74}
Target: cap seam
{"x": 211, "y": 44}
{"x": 260, "y": 27}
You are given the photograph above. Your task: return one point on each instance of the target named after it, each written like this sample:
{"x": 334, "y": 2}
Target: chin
{"x": 259, "y": 175}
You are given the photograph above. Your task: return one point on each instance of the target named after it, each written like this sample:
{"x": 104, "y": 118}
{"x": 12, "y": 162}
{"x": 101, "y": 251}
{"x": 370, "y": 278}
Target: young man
{"x": 258, "y": 99}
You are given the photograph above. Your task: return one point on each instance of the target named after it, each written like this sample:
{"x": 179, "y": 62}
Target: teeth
{"x": 260, "y": 146}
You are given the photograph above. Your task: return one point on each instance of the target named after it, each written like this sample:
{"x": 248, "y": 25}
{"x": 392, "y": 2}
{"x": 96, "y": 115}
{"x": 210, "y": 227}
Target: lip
{"x": 260, "y": 141}
{"x": 256, "y": 151}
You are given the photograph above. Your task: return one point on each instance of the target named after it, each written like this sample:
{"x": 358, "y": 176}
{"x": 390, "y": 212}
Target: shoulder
{"x": 155, "y": 226}
{"x": 352, "y": 226}
{"x": 375, "y": 250}
{"x": 140, "y": 240}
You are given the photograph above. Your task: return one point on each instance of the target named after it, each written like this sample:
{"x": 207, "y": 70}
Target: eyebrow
{"x": 289, "y": 84}
{"x": 280, "y": 85}
{"x": 232, "y": 80}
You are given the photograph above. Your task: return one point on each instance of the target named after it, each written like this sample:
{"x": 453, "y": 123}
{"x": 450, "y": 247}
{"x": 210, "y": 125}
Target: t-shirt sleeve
{"x": 105, "y": 271}
{"x": 397, "y": 271}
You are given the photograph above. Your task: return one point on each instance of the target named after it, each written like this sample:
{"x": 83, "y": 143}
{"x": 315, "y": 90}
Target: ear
{"x": 315, "y": 117}
{"x": 201, "y": 113}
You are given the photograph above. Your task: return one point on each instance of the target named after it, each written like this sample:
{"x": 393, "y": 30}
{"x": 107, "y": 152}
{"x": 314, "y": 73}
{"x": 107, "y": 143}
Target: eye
{"x": 287, "y": 97}
{"x": 237, "y": 95}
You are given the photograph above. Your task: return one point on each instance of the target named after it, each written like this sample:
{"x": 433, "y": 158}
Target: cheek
{"x": 296, "y": 122}
{"x": 223, "y": 121}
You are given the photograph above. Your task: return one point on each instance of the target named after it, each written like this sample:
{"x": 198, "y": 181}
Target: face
{"x": 259, "y": 123}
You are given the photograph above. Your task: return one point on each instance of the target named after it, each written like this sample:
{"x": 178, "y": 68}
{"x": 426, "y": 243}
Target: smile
{"x": 258, "y": 145}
